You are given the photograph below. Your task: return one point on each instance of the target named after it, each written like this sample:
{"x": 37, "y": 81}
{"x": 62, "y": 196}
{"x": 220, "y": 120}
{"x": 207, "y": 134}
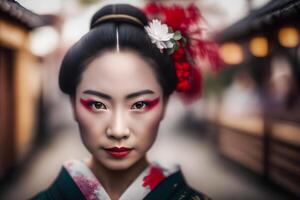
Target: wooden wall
{"x": 20, "y": 89}
{"x": 269, "y": 147}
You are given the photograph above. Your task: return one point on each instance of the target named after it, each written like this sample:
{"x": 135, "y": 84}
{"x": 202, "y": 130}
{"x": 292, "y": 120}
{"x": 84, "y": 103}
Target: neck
{"x": 115, "y": 182}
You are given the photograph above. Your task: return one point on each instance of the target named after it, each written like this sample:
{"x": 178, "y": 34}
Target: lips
{"x": 118, "y": 152}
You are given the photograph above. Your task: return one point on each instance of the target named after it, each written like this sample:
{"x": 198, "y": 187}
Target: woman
{"x": 119, "y": 79}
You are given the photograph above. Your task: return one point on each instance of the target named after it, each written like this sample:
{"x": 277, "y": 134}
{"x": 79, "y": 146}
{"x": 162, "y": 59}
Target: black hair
{"x": 102, "y": 37}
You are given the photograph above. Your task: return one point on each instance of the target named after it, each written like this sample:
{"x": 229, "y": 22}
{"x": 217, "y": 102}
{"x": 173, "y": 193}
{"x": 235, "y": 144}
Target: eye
{"x": 91, "y": 105}
{"x": 139, "y": 105}
{"x": 96, "y": 106}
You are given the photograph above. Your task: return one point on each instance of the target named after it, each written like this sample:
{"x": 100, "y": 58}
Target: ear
{"x": 73, "y": 105}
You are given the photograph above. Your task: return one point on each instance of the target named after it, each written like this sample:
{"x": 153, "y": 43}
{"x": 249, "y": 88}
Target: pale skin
{"x": 118, "y": 103}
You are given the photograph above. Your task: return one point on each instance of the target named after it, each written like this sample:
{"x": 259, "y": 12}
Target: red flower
{"x": 175, "y": 17}
{"x": 179, "y": 54}
{"x": 152, "y": 8}
{"x": 194, "y": 13}
{"x": 183, "y": 85}
{"x": 195, "y": 86}
{"x": 183, "y": 66}
{"x": 187, "y": 20}
{"x": 154, "y": 178}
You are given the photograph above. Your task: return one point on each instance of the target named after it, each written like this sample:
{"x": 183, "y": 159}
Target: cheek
{"x": 91, "y": 126}
{"x": 84, "y": 119}
{"x": 146, "y": 127}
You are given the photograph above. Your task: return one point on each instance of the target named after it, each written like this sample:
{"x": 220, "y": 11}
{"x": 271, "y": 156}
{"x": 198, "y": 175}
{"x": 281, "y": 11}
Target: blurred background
{"x": 241, "y": 140}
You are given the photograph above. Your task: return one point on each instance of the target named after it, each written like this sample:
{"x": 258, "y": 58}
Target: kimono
{"x": 77, "y": 182}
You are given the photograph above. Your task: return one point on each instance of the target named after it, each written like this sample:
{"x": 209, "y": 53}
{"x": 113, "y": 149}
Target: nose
{"x": 118, "y": 128}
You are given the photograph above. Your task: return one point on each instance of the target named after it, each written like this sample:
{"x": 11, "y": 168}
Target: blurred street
{"x": 240, "y": 140}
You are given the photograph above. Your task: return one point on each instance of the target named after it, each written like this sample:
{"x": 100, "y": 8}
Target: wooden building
{"x": 265, "y": 44}
{"x": 19, "y": 84}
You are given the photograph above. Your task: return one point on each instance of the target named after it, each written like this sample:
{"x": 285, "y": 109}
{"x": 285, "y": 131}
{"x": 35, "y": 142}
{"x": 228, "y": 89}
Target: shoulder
{"x": 63, "y": 187}
{"x": 44, "y": 195}
{"x": 52, "y": 192}
{"x": 196, "y": 195}
{"x": 185, "y": 191}
{"x": 176, "y": 187}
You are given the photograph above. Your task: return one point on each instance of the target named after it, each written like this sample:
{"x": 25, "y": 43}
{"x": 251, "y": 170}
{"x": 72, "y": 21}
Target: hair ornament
{"x": 118, "y": 17}
{"x": 163, "y": 36}
{"x": 187, "y": 45}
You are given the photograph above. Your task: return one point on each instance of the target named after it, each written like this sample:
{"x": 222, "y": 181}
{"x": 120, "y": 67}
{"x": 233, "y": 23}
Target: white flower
{"x": 159, "y": 34}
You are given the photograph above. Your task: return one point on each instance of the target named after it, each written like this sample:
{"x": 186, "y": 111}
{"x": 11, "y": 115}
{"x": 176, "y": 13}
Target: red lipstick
{"x": 118, "y": 152}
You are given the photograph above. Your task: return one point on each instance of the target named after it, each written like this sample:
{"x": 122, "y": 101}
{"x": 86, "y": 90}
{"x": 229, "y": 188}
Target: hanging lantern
{"x": 288, "y": 37}
{"x": 259, "y": 46}
{"x": 231, "y": 53}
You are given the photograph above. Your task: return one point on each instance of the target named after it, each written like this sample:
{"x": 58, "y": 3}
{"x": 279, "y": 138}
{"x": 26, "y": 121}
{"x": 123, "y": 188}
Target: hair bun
{"x": 119, "y": 13}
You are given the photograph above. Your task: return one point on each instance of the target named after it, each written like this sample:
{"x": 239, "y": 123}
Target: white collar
{"x": 92, "y": 189}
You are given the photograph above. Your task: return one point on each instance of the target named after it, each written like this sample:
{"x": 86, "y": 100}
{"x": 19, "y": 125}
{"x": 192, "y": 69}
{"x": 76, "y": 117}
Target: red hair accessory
{"x": 190, "y": 47}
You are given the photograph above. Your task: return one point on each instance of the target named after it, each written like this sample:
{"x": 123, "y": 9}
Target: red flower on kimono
{"x": 154, "y": 178}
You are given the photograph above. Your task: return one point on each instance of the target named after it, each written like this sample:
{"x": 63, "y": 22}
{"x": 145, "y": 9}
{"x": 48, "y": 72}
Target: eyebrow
{"x": 129, "y": 96}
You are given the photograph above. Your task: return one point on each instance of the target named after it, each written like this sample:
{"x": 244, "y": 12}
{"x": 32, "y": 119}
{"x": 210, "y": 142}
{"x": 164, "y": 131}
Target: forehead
{"x": 119, "y": 73}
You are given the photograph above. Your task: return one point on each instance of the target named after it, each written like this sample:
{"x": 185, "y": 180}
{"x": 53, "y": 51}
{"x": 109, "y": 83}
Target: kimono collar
{"x": 92, "y": 189}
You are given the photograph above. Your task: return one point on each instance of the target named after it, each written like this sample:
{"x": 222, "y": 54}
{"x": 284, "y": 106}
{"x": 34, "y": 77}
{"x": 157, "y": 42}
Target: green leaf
{"x": 175, "y": 47}
{"x": 177, "y": 35}
{"x": 173, "y": 41}
{"x": 170, "y": 51}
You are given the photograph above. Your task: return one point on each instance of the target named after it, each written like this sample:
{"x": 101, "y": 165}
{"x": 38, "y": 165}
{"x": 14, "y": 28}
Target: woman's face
{"x": 118, "y": 106}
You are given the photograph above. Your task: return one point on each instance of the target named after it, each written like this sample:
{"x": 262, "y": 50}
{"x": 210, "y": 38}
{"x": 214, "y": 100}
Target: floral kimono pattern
{"x": 92, "y": 189}
{"x": 77, "y": 182}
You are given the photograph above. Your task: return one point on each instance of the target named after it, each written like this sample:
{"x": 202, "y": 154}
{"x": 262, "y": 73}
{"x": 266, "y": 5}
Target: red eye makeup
{"x": 92, "y": 105}
{"x": 96, "y": 106}
{"x": 152, "y": 103}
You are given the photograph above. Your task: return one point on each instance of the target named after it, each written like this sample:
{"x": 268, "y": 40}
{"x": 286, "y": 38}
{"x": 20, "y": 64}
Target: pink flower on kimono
{"x": 88, "y": 187}
{"x": 154, "y": 178}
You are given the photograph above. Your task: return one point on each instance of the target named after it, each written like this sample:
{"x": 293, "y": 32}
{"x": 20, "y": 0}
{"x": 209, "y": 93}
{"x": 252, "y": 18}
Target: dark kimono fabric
{"x": 173, "y": 187}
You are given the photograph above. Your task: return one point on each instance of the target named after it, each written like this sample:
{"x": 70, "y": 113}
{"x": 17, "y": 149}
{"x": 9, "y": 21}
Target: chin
{"x": 118, "y": 164}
